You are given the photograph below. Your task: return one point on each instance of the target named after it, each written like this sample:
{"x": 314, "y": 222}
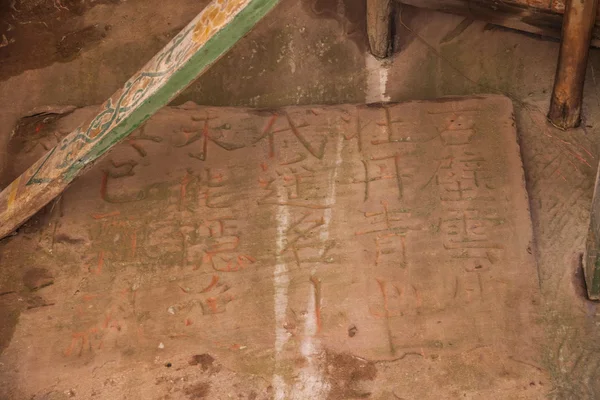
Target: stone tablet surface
{"x": 392, "y": 241}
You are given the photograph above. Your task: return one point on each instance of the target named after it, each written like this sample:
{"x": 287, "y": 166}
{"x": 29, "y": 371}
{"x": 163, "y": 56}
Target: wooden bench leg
{"x": 379, "y": 28}
{"x": 578, "y": 22}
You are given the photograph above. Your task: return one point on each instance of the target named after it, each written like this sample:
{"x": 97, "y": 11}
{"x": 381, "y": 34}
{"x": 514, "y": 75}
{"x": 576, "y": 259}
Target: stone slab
{"x": 330, "y": 250}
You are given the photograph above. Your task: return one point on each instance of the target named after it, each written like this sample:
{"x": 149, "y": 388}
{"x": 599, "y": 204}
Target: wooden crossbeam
{"x": 203, "y": 41}
{"x": 536, "y": 17}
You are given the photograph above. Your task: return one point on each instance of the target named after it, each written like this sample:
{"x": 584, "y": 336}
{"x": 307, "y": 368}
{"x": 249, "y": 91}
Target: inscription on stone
{"x": 270, "y": 230}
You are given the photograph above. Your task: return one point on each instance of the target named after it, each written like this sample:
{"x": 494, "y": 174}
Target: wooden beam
{"x": 591, "y": 259}
{"x": 565, "y": 103}
{"x": 214, "y": 31}
{"x": 379, "y": 28}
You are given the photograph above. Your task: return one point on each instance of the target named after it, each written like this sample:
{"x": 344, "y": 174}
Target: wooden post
{"x": 565, "y": 103}
{"x": 591, "y": 259}
{"x": 214, "y": 31}
{"x": 379, "y": 28}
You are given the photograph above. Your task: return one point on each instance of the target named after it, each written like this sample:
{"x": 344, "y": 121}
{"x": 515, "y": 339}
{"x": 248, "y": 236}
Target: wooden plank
{"x": 591, "y": 260}
{"x": 518, "y": 15}
{"x": 203, "y": 41}
{"x": 567, "y": 95}
{"x": 379, "y": 28}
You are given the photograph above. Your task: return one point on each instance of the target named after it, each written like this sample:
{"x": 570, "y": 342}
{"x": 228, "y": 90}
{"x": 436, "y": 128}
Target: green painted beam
{"x": 210, "y": 35}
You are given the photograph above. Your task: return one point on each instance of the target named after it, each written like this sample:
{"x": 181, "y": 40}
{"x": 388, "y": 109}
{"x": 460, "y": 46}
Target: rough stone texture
{"x": 251, "y": 242}
{"x": 314, "y": 52}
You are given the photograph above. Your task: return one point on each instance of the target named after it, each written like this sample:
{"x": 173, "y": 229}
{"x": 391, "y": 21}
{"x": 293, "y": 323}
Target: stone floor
{"x": 309, "y": 52}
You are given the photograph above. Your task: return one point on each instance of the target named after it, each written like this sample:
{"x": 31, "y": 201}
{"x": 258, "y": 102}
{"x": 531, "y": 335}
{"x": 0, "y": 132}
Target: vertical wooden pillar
{"x": 379, "y": 27}
{"x": 565, "y": 104}
{"x": 591, "y": 259}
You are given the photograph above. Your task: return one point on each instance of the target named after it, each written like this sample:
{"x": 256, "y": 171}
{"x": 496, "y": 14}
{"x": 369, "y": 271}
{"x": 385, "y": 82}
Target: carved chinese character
{"x": 468, "y": 229}
{"x": 305, "y": 241}
{"x": 293, "y": 186}
{"x": 462, "y": 175}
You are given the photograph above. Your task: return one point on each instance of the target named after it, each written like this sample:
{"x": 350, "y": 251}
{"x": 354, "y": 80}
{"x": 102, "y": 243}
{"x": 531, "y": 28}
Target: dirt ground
{"x": 309, "y": 52}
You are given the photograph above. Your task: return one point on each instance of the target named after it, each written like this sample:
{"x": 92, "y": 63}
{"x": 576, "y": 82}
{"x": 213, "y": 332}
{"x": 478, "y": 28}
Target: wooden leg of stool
{"x": 565, "y": 104}
{"x": 379, "y": 28}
